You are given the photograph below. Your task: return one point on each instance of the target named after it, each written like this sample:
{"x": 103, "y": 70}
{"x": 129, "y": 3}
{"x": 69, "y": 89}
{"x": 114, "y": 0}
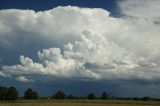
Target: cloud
{"x": 4, "y": 75}
{"x": 84, "y": 59}
{"x": 86, "y": 43}
{"x": 147, "y": 9}
{"x": 55, "y": 26}
{"x": 23, "y": 79}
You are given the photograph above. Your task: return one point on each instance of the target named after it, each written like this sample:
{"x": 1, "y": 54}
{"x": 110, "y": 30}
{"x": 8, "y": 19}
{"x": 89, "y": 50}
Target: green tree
{"x": 146, "y": 98}
{"x": 3, "y": 93}
{"x": 104, "y": 96}
{"x": 30, "y": 94}
{"x": 70, "y": 97}
{"x": 59, "y": 95}
{"x": 12, "y": 93}
{"x": 91, "y": 96}
{"x": 8, "y": 93}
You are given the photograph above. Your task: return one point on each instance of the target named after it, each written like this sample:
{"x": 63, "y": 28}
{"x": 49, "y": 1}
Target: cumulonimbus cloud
{"x": 89, "y": 44}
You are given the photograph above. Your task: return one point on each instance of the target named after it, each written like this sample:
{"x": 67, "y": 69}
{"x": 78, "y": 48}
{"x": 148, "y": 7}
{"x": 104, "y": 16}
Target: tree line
{"x": 11, "y": 93}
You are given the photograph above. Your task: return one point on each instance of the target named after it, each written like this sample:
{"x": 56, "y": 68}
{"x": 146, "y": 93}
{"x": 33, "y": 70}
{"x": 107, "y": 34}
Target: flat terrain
{"x": 79, "y": 103}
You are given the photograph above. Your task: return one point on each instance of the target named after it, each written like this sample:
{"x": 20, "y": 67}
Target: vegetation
{"x": 91, "y": 96}
{"x": 59, "y": 95}
{"x": 30, "y": 94}
{"x": 71, "y": 97}
{"x": 10, "y": 93}
{"x": 42, "y": 102}
{"x": 104, "y": 96}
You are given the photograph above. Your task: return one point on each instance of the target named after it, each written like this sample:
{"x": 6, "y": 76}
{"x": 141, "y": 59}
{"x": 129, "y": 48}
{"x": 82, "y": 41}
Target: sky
{"x": 81, "y": 46}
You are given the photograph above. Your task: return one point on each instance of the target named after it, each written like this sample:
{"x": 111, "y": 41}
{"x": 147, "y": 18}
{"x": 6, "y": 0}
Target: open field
{"x": 79, "y": 103}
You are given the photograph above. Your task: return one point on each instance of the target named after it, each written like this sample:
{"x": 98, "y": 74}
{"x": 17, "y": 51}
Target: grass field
{"x": 79, "y": 103}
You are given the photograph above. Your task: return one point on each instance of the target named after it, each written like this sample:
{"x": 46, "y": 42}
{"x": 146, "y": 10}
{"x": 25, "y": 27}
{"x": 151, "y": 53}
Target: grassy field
{"x": 79, "y": 103}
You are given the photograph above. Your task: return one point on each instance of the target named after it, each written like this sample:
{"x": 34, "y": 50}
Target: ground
{"x": 79, "y": 103}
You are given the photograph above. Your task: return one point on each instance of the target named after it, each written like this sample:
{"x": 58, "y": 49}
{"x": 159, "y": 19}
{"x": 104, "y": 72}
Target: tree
{"x": 59, "y": 95}
{"x": 70, "y": 97}
{"x": 146, "y": 98}
{"x": 104, "y": 96}
{"x": 30, "y": 94}
{"x": 12, "y": 93}
{"x": 3, "y": 93}
{"x": 8, "y": 93}
{"x": 91, "y": 96}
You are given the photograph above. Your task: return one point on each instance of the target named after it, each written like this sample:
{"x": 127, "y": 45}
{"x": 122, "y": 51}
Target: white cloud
{"x": 3, "y": 74}
{"x": 84, "y": 59}
{"x": 89, "y": 44}
{"x": 56, "y": 26}
{"x": 147, "y": 9}
{"x": 23, "y": 79}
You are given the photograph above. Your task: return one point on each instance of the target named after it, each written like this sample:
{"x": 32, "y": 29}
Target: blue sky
{"x": 81, "y": 46}
{"x": 42, "y": 5}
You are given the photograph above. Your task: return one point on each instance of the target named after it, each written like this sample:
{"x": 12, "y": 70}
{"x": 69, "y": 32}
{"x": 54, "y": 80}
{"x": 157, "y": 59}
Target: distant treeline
{"x": 11, "y": 93}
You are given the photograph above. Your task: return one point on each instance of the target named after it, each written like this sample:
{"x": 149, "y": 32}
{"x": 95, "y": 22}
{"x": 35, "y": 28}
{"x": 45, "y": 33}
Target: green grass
{"x": 79, "y": 103}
